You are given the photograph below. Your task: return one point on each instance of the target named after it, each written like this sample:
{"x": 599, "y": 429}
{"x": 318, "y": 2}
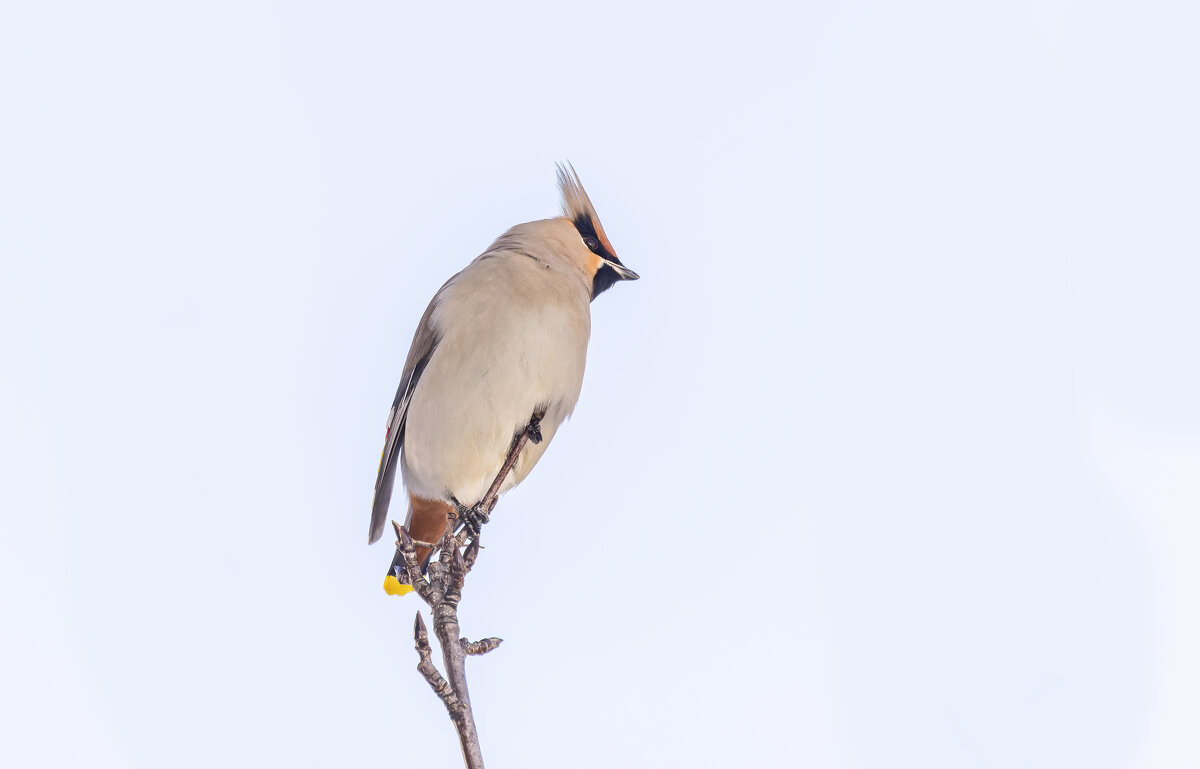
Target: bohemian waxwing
{"x": 502, "y": 343}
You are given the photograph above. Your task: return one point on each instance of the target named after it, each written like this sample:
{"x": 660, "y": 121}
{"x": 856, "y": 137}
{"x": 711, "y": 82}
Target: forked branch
{"x": 443, "y": 591}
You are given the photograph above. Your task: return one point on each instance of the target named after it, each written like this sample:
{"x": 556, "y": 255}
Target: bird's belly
{"x": 467, "y": 408}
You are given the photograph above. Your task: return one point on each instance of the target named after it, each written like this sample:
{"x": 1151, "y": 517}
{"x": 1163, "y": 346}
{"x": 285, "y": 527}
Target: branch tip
{"x": 482, "y": 646}
{"x": 472, "y": 552}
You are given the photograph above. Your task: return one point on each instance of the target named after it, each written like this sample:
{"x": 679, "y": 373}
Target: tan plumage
{"x": 502, "y": 340}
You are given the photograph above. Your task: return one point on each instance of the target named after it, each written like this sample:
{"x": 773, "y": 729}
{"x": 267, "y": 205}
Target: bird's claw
{"x": 473, "y": 519}
{"x": 534, "y": 429}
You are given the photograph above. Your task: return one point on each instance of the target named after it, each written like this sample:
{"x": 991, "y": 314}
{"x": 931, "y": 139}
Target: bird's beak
{"x": 623, "y": 272}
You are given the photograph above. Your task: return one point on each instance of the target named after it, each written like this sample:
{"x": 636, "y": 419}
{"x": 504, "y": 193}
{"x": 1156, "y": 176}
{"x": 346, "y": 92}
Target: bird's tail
{"x": 427, "y": 520}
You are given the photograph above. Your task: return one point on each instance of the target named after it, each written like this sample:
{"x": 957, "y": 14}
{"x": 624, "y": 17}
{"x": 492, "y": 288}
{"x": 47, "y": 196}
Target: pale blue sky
{"x": 918, "y": 317}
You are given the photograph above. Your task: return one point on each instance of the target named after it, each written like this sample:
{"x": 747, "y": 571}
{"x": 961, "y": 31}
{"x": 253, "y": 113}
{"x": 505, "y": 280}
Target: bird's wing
{"x": 425, "y": 341}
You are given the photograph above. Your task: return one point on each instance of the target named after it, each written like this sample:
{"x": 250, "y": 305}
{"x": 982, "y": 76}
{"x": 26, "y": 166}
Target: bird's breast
{"x": 513, "y": 342}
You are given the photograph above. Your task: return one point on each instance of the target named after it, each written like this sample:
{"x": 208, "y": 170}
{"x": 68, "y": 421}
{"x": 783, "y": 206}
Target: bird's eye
{"x": 592, "y": 244}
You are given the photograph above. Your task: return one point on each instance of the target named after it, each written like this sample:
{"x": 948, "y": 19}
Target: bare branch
{"x": 471, "y": 553}
{"x": 426, "y": 667}
{"x": 442, "y": 591}
{"x": 532, "y": 430}
{"x": 408, "y": 550}
{"x": 482, "y": 646}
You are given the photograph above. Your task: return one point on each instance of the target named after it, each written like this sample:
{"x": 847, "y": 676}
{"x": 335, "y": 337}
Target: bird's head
{"x": 592, "y": 249}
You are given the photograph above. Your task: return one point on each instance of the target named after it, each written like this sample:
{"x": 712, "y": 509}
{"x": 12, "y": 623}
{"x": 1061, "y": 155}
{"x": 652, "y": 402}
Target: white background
{"x": 891, "y": 459}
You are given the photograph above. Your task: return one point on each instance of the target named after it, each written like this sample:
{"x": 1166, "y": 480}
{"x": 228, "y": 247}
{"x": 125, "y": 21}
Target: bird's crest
{"x": 577, "y": 207}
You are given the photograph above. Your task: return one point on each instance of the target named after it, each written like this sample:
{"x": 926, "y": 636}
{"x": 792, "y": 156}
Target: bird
{"x": 499, "y": 351}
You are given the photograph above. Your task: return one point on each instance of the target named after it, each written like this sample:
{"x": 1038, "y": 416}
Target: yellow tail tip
{"x": 393, "y": 586}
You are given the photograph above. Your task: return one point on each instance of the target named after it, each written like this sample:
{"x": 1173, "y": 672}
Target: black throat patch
{"x": 603, "y": 280}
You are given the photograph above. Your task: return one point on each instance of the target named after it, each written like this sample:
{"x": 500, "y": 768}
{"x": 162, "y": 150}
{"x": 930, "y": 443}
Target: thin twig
{"x": 482, "y": 646}
{"x": 426, "y": 667}
{"x": 471, "y": 553}
{"x": 489, "y": 499}
{"x": 408, "y": 549}
{"x": 448, "y": 575}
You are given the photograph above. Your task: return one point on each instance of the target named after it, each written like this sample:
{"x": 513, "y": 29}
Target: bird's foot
{"x": 534, "y": 428}
{"x": 473, "y": 518}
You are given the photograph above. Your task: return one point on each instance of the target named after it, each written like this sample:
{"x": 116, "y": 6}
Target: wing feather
{"x": 424, "y": 344}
